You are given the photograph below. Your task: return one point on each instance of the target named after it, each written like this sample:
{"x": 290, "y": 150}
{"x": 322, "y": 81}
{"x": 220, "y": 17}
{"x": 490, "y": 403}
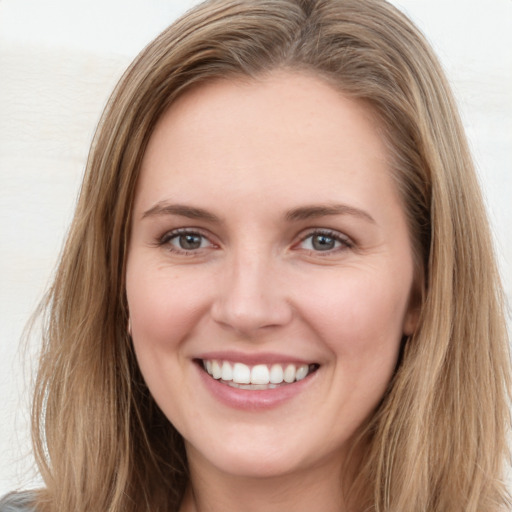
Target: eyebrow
{"x": 315, "y": 211}
{"x": 296, "y": 214}
{"x": 163, "y": 208}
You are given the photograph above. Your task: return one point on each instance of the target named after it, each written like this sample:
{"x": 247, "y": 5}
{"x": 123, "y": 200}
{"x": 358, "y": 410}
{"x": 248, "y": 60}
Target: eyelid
{"x": 165, "y": 239}
{"x": 345, "y": 241}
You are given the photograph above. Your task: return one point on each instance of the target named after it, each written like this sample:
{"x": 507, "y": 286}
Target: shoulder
{"x": 18, "y": 502}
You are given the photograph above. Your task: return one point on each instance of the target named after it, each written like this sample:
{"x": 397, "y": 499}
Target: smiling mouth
{"x": 257, "y": 377}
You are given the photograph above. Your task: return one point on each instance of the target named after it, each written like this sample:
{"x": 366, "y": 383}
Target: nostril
{"x": 251, "y": 295}
{"x": 245, "y": 315}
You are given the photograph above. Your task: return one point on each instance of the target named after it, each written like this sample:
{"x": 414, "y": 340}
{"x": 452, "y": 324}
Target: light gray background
{"x": 58, "y": 63}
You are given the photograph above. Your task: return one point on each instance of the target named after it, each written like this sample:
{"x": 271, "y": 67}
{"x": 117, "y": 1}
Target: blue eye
{"x": 187, "y": 241}
{"x": 184, "y": 241}
{"x": 324, "y": 241}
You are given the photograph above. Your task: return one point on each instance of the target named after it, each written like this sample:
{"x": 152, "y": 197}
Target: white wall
{"x": 58, "y": 62}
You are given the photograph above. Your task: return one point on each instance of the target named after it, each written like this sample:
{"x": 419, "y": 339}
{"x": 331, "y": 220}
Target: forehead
{"x": 283, "y": 128}
{"x": 270, "y": 104}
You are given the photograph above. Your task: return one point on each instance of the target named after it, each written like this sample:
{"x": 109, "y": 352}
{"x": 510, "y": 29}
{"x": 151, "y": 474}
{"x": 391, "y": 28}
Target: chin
{"x": 263, "y": 454}
{"x": 257, "y": 465}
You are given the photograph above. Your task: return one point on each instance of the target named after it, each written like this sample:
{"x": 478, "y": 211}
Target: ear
{"x": 414, "y": 307}
{"x": 129, "y": 327}
{"x": 411, "y": 318}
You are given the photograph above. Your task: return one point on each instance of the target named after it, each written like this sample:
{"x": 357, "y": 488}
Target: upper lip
{"x": 253, "y": 359}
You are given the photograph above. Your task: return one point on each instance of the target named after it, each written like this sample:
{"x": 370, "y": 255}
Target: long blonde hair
{"x": 438, "y": 440}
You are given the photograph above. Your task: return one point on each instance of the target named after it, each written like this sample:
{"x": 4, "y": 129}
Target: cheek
{"x": 163, "y": 312}
{"x": 358, "y": 314}
{"x": 163, "y": 316}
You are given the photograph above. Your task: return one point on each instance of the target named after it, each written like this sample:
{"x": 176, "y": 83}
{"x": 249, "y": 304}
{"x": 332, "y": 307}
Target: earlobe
{"x": 415, "y": 305}
{"x": 411, "y": 319}
{"x": 410, "y": 323}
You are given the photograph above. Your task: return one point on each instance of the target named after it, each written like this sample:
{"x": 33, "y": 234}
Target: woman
{"x": 278, "y": 291}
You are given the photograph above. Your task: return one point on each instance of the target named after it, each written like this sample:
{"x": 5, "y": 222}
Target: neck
{"x": 319, "y": 488}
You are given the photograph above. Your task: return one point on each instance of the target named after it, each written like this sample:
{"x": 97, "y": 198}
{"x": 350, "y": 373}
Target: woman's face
{"x": 269, "y": 273}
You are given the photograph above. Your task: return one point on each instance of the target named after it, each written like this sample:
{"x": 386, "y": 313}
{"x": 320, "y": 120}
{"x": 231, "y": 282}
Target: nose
{"x": 251, "y": 297}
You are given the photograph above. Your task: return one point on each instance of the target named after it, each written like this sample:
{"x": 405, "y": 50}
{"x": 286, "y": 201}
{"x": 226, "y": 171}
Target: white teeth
{"x": 216, "y": 370}
{"x": 301, "y": 372}
{"x": 241, "y": 373}
{"x": 260, "y": 376}
{"x": 276, "y": 374}
{"x": 289, "y": 373}
{"x": 227, "y": 371}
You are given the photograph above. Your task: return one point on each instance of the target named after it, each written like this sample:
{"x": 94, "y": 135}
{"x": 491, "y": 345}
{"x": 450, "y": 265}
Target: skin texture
{"x": 259, "y": 157}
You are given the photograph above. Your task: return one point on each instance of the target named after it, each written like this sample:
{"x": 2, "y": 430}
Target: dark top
{"x": 17, "y": 502}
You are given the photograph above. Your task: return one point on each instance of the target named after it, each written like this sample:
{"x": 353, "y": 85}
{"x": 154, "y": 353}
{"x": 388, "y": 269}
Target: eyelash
{"x": 344, "y": 241}
{"x": 165, "y": 240}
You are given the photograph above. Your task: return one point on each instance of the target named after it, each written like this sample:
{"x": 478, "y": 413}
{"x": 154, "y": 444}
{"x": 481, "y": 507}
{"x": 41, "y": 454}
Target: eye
{"x": 188, "y": 242}
{"x": 324, "y": 241}
{"x": 184, "y": 241}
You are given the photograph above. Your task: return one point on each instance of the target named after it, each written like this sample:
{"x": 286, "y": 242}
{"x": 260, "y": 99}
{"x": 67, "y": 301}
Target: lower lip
{"x": 256, "y": 399}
